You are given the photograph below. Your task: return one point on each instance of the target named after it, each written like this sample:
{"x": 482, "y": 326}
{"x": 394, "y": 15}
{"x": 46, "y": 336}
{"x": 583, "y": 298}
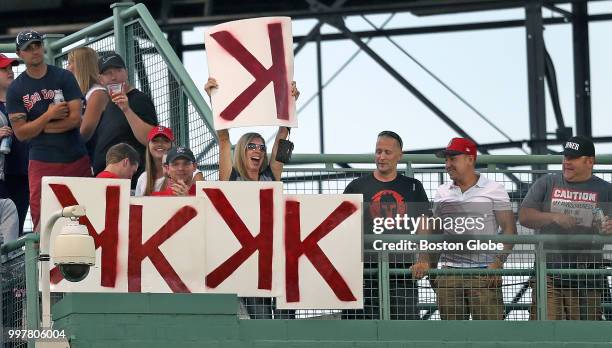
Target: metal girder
{"x": 559, "y": 10}
{"x": 535, "y": 74}
{"x": 447, "y": 28}
{"x": 315, "y": 32}
{"x": 339, "y": 24}
{"x": 582, "y": 74}
{"x": 320, "y": 97}
{"x": 563, "y": 132}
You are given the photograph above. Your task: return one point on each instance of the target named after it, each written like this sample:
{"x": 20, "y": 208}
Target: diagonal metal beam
{"x": 339, "y": 24}
{"x": 567, "y": 14}
{"x": 315, "y": 31}
{"x": 553, "y": 89}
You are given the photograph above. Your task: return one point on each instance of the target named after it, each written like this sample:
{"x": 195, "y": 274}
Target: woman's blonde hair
{"x": 85, "y": 62}
{"x": 150, "y": 172}
{"x": 240, "y": 154}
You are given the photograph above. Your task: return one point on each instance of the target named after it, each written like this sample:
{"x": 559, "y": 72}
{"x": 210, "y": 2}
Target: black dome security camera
{"x": 74, "y": 252}
{"x": 74, "y": 272}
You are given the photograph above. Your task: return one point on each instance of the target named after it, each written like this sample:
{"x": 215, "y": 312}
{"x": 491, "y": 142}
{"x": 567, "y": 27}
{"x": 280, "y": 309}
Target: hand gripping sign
{"x": 233, "y": 237}
{"x": 252, "y": 61}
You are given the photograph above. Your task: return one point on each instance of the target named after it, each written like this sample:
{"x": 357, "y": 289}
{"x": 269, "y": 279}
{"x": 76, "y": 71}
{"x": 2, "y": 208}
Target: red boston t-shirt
{"x": 107, "y": 175}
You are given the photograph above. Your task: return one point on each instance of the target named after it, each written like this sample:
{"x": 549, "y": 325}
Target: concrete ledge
{"x": 196, "y": 320}
{"x": 136, "y": 303}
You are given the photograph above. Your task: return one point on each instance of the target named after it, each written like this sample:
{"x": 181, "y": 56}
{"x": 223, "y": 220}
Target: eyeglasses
{"x": 253, "y": 146}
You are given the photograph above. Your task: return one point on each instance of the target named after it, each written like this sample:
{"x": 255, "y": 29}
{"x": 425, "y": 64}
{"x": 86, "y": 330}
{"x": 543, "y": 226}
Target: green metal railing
{"x": 16, "y": 310}
{"x": 540, "y": 270}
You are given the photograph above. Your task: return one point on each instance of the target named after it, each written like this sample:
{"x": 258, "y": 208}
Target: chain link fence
{"x": 13, "y": 287}
{"x": 509, "y": 297}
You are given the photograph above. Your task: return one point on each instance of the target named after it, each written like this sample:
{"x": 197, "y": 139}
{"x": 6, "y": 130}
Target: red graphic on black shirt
{"x": 387, "y": 203}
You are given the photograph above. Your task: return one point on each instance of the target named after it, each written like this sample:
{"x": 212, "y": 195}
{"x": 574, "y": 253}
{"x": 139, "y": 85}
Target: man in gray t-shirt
{"x": 564, "y": 204}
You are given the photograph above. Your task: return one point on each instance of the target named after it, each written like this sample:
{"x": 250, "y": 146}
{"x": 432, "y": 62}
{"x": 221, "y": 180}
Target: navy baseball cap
{"x": 179, "y": 152}
{"x": 112, "y": 60}
{"x": 26, "y": 37}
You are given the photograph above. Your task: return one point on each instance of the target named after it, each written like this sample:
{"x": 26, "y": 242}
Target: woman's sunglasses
{"x": 253, "y": 146}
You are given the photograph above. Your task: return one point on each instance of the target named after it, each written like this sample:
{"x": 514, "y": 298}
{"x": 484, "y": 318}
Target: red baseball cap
{"x": 6, "y": 61}
{"x": 458, "y": 146}
{"x": 160, "y": 130}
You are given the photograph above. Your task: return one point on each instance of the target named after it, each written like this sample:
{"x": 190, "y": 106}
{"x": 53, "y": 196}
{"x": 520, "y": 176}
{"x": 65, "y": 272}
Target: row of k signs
{"x": 246, "y": 238}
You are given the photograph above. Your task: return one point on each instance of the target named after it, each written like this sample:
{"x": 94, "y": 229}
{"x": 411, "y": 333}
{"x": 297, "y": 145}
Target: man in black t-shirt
{"x": 128, "y": 119}
{"x": 386, "y": 194}
{"x": 48, "y": 119}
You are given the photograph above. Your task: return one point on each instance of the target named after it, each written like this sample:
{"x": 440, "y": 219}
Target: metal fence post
{"x": 183, "y": 117}
{"x": 119, "y": 30}
{"x": 31, "y": 275}
{"x": 50, "y": 52}
{"x": 409, "y": 172}
{"x": 541, "y": 285}
{"x": 383, "y": 286}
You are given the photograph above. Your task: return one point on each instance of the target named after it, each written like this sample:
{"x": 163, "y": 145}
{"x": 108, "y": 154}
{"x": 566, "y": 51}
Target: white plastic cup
{"x": 114, "y": 88}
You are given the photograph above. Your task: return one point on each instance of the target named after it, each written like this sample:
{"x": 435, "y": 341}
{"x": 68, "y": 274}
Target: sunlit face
{"x": 459, "y": 166}
{"x": 33, "y": 55}
{"x": 388, "y": 154}
{"x": 6, "y": 77}
{"x": 181, "y": 169}
{"x": 577, "y": 169}
{"x": 113, "y": 75}
{"x": 159, "y": 146}
{"x": 254, "y": 154}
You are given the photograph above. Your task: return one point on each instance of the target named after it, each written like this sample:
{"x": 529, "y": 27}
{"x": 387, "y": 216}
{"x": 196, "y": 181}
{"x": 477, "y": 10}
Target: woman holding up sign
{"x": 251, "y": 164}
{"x": 250, "y": 157}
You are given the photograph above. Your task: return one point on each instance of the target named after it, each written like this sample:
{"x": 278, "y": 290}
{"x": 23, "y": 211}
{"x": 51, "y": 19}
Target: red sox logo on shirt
{"x": 387, "y": 203}
{"x": 30, "y": 100}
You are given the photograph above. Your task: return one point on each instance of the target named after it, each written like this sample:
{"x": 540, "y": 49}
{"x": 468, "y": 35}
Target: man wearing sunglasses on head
{"x": 180, "y": 164}
{"x": 387, "y": 194}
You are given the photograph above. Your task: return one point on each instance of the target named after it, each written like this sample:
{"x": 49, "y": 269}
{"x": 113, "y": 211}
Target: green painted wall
{"x": 207, "y": 320}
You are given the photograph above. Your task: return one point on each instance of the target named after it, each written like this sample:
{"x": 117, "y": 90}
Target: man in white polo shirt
{"x": 469, "y": 195}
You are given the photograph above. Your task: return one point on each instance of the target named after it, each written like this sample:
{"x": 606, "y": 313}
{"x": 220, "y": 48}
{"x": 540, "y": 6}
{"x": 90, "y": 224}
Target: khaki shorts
{"x": 568, "y": 303}
{"x": 460, "y": 296}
